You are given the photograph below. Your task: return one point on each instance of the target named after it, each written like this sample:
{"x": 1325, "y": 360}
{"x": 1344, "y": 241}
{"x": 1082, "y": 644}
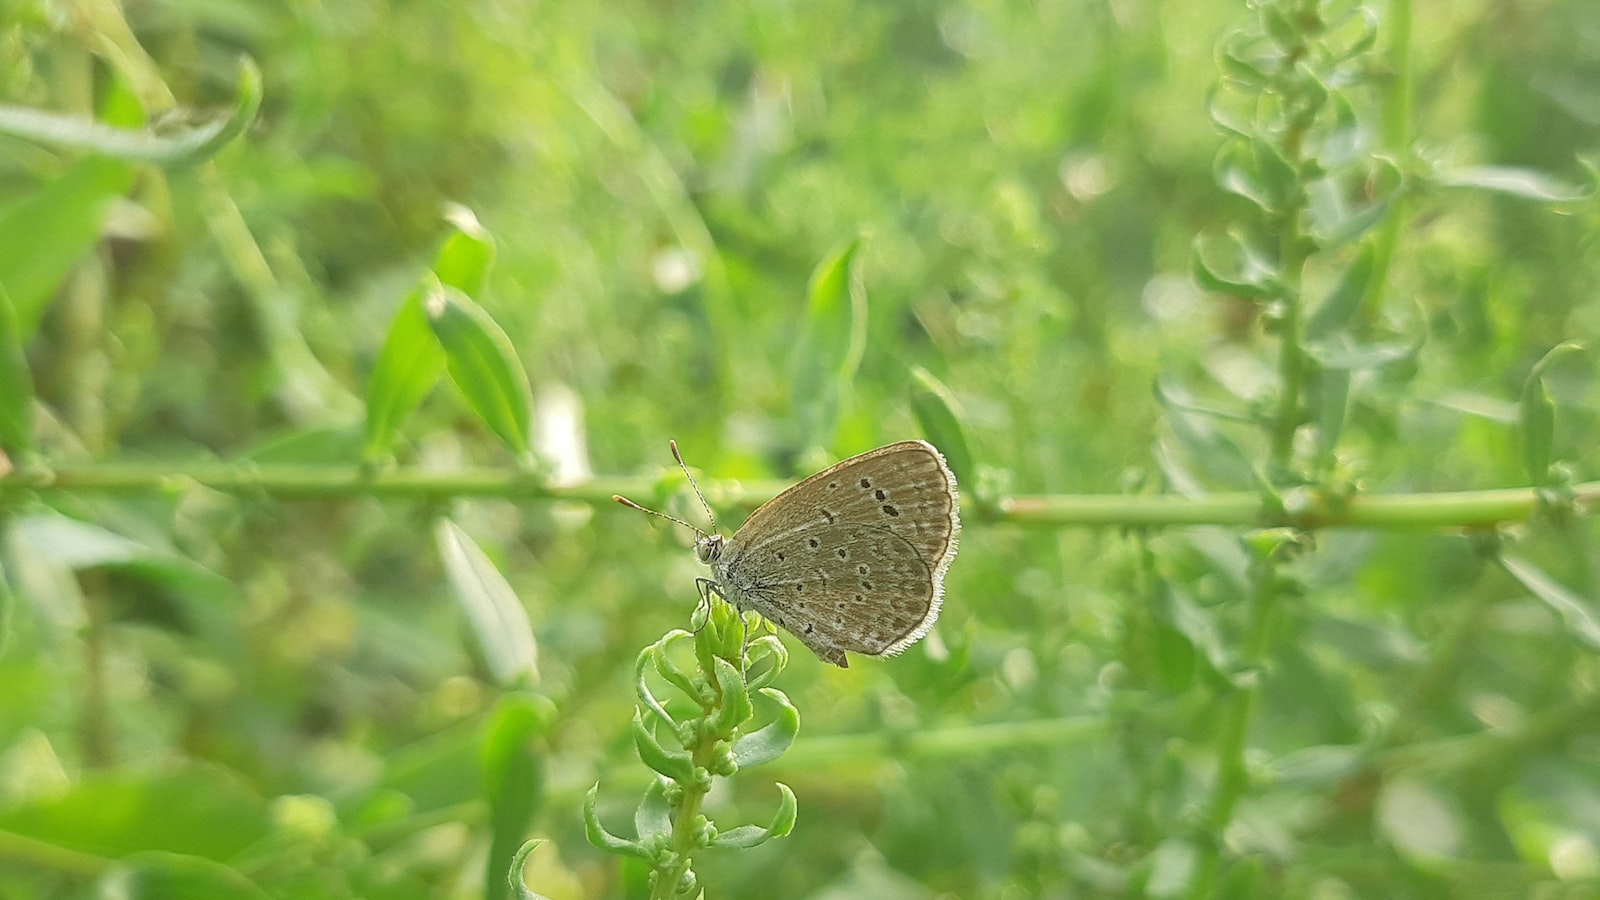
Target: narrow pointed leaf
{"x": 513, "y": 779}
{"x": 1228, "y": 266}
{"x": 1537, "y": 416}
{"x": 514, "y": 874}
{"x": 181, "y": 148}
{"x": 735, "y": 707}
{"x": 484, "y": 366}
{"x": 642, "y": 687}
{"x": 407, "y": 368}
{"x": 1526, "y": 184}
{"x": 1536, "y": 425}
{"x": 157, "y": 875}
{"x": 675, "y": 764}
{"x": 771, "y": 740}
{"x": 51, "y": 230}
{"x": 654, "y": 816}
{"x": 1576, "y": 613}
{"x": 464, "y": 260}
{"x": 1331, "y": 392}
{"x": 746, "y": 836}
{"x": 937, "y": 412}
{"x": 832, "y": 341}
{"x": 669, "y": 670}
{"x": 602, "y": 839}
{"x": 1336, "y": 309}
{"x": 497, "y": 617}
{"x": 16, "y": 389}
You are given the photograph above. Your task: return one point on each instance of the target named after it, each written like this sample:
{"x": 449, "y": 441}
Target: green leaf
{"x": 464, "y": 260}
{"x": 675, "y": 764}
{"x": 936, "y": 409}
{"x": 407, "y": 368}
{"x": 1574, "y": 611}
{"x": 411, "y": 361}
{"x": 1339, "y": 351}
{"x": 735, "y": 708}
{"x": 1330, "y": 393}
{"x": 48, "y": 537}
{"x": 1336, "y": 309}
{"x": 484, "y": 365}
{"x": 1219, "y": 457}
{"x": 746, "y": 836}
{"x": 1175, "y": 658}
{"x": 669, "y": 670}
{"x": 1282, "y": 184}
{"x": 641, "y": 685}
{"x": 187, "y": 810}
{"x": 50, "y": 231}
{"x": 654, "y": 815}
{"x": 1333, "y": 223}
{"x": 771, "y": 740}
{"x": 172, "y": 876}
{"x": 180, "y": 148}
{"x": 1537, "y": 416}
{"x": 16, "y": 389}
{"x": 1230, "y": 266}
{"x": 497, "y": 617}
{"x": 832, "y": 341}
{"x": 8, "y": 599}
{"x": 1320, "y": 765}
{"x": 1536, "y": 425}
{"x": 513, "y": 779}
{"x": 1513, "y": 181}
{"x": 514, "y": 876}
{"x": 602, "y": 839}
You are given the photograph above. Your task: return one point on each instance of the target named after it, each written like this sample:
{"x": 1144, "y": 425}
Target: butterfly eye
{"x": 709, "y": 548}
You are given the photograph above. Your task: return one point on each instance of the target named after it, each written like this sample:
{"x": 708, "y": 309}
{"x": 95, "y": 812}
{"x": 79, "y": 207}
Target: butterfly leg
{"x": 705, "y": 587}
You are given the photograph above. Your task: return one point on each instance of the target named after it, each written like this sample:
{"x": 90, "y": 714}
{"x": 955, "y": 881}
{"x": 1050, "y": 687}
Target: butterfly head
{"x": 708, "y": 547}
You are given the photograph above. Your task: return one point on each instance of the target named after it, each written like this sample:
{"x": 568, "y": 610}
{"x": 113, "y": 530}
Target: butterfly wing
{"x": 903, "y": 487}
{"x": 838, "y": 587}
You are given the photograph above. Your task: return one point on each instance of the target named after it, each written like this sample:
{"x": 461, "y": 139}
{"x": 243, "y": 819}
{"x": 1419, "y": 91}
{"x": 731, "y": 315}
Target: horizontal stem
{"x": 1455, "y": 509}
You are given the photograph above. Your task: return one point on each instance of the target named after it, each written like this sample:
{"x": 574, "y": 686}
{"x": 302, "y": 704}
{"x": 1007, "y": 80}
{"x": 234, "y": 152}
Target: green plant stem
{"x": 1233, "y": 774}
{"x": 1293, "y": 249}
{"x": 1432, "y": 511}
{"x": 1396, "y": 137}
{"x": 666, "y": 883}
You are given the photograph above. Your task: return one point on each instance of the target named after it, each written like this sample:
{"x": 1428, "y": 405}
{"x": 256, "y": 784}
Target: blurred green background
{"x": 271, "y": 696}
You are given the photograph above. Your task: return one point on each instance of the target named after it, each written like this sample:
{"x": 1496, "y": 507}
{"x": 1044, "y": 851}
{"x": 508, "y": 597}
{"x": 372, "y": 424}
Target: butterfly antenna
{"x": 661, "y": 515}
{"x": 692, "y": 483}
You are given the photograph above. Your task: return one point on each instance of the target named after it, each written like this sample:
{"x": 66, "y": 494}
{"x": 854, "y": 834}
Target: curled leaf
{"x": 654, "y": 815}
{"x": 771, "y": 740}
{"x": 182, "y": 148}
{"x": 746, "y": 836}
{"x": 675, "y": 764}
{"x": 735, "y": 706}
{"x": 602, "y": 839}
{"x": 641, "y": 685}
{"x": 514, "y": 874}
{"x": 669, "y": 670}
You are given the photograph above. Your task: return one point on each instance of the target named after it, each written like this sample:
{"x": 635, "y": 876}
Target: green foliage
{"x": 715, "y": 738}
{"x": 1259, "y": 338}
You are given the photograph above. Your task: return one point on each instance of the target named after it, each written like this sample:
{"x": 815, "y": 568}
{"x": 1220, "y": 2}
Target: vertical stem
{"x": 98, "y": 744}
{"x": 668, "y": 880}
{"x": 1233, "y": 775}
{"x": 1396, "y": 137}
